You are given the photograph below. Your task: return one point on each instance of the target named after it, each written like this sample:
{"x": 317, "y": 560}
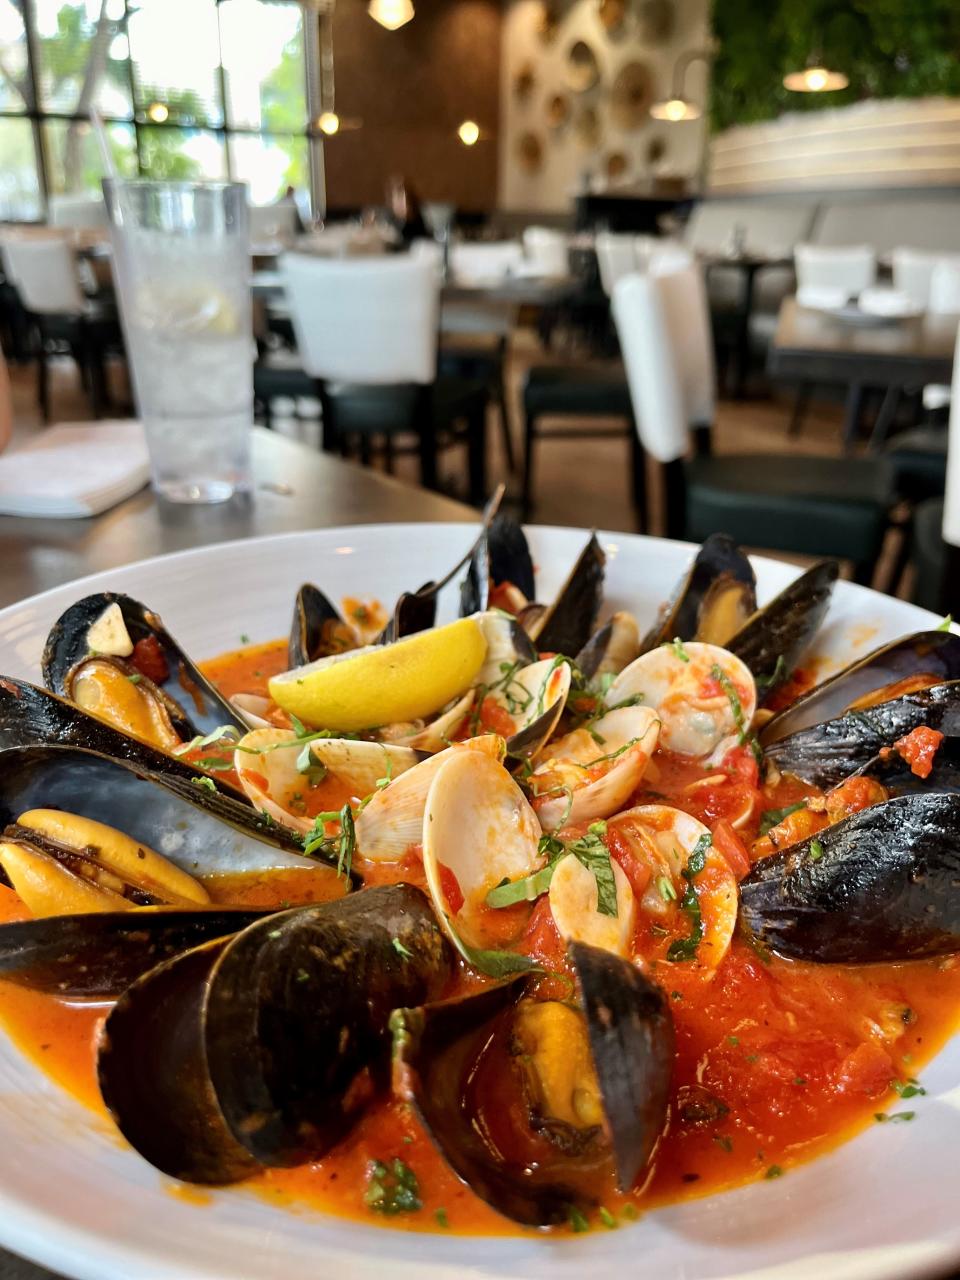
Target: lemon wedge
{"x": 384, "y": 684}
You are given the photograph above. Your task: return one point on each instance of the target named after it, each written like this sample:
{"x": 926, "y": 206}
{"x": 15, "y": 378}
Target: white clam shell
{"x": 664, "y": 838}
{"x": 436, "y": 735}
{"x": 573, "y": 903}
{"x": 253, "y": 707}
{"x": 272, "y": 754}
{"x": 633, "y": 731}
{"x": 478, "y": 825}
{"x": 693, "y": 722}
{"x": 393, "y": 820}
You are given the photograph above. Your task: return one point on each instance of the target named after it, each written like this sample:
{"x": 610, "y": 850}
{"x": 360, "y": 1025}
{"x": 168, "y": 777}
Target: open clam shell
{"x": 261, "y": 1050}
{"x": 879, "y": 886}
{"x": 932, "y": 657}
{"x": 534, "y": 697}
{"x": 455, "y": 1063}
{"x": 111, "y": 624}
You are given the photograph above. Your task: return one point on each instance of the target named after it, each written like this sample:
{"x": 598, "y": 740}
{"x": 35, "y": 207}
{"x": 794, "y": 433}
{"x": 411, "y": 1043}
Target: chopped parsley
{"x": 686, "y": 948}
{"x": 244, "y": 638}
{"x": 895, "y": 1117}
{"x": 908, "y": 1088}
{"x": 723, "y": 1142}
{"x": 401, "y": 950}
{"x": 441, "y": 1217}
{"x": 135, "y": 677}
{"x": 591, "y": 851}
{"x": 771, "y": 818}
{"x": 578, "y": 1220}
{"x": 766, "y": 683}
{"x": 947, "y": 623}
{"x": 208, "y": 784}
{"x": 744, "y": 736}
{"x": 665, "y": 889}
{"x": 678, "y": 650}
{"x": 392, "y": 1189}
{"x": 607, "y": 1218}
{"x": 816, "y": 850}
{"x": 773, "y": 1172}
{"x": 317, "y": 843}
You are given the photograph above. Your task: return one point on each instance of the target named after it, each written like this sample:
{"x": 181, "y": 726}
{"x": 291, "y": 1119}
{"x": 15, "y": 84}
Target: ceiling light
{"x": 329, "y": 123}
{"x": 815, "y": 80}
{"x": 391, "y": 13}
{"x": 469, "y": 133}
{"x": 157, "y": 112}
{"x": 675, "y": 110}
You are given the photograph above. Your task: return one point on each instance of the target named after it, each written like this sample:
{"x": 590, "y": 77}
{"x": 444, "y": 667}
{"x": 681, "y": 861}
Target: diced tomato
{"x": 638, "y": 873}
{"x": 742, "y": 763}
{"x": 728, "y": 843}
{"x": 710, "y": 687}
{"x": 853, "y": 795}
{"x": 149, "y": 660}
{"x": 867, "y": 1070}
{"x": 799, "y": 683}
{"x": 451, "y": 889}
{"x": 542, "y": 940}
{"x": 495, "y": 719}
{"x": 918, "y": 749}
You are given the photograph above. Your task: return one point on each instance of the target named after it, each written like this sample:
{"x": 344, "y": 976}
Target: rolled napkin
{"x": 822, "y": 297}
{"x": 877, "y": 301}
{"x": 75, "y": 469}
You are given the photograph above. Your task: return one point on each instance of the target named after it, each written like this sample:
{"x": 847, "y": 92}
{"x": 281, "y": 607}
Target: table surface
{"x": 802, "y": 329}
{"x": 520, "y": 290}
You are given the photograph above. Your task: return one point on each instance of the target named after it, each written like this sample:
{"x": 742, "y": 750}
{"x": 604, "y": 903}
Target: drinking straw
{"x": 106, "y": 155}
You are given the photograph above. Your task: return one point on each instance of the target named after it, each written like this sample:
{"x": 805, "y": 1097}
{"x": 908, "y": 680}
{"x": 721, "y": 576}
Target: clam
{"x": 391, "y": 824}
{"x": 430, "y": 736}
{"x": 712, "y": 600}
{"x": 575, "y": 907}
{"x": 824, "y": 754}
{"x": 317, "y": 629}
{"x": 591, "y": 772}
{"x": 531, "y": 1102}
{"x": 114, "y": 658}
{"x": 676, "y": 853}
{"x": 531, "y": 700}
{"x": 880, "y": 886}
{"x": 508, "y": 645}
{"x": 704, "y": 696}
{"x": 906, "y": 665}
{"x": 478, "y": 830}
{"x": 773, "y": 640}
{"x": 292, "y": 780}
{"x": 263, "y": 1049}
{"x": 610, "y": 649}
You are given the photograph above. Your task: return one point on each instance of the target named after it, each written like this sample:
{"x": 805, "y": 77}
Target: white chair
{"x": 548, "y": 250}
{"x": 272, "y": 224}
{"x": 77, "y": 210}
{"x": 829, "y": 277}
{"x": 44, "y": 271}
{"x": 616, "y": 257}
{"x": 912, "y": 273}
{"x": 811, "y": 506}
{"x": 366, "y": 331}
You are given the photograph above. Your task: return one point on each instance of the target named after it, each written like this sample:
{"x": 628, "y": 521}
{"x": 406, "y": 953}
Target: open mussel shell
{"x": 895, "y": 774}
{"x": 774, "y": 639}
{"x": 197, "y": 706}
{"x": 317, "y": 629}
{"x": 195, "y": 828}
{"x": 452, "y": 1061}
{"x": 611, "y": 649}
{"x": 824, "y": 754}
{"x": 30, "y": 716}
{"x": 567, "y": 624}
{"x": 262, "y": 1050}
{"x": 882, "y": 885}
{"x": 930, "y": 656}
{"x": 712, "y": 600}
{"x": 98, "y": 956}
{"x": 502, "y": 555}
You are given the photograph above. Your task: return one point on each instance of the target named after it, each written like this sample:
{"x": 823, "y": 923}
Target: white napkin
{"x": 822, "y": 297}
{"x": 76, "y": 469}
{"x": 879, "y": 301}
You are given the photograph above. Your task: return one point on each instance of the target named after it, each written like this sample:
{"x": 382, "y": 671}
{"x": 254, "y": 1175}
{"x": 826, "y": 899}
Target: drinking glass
{"x": 181, "y": 260}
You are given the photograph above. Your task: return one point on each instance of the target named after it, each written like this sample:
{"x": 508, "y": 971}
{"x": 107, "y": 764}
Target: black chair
{"x": 929, "y": 556}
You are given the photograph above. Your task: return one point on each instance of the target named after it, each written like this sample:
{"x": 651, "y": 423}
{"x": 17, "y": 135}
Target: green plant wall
{"x": 888, "y": 48}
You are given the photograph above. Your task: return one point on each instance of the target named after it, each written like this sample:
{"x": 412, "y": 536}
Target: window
{"x": 186, "y": 89}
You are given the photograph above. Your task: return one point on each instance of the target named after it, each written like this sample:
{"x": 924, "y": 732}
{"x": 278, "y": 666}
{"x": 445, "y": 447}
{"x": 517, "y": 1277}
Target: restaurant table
{"x": 294, "y": 488}
{"x": 519, "y": 291}
{"x": 748, "y": 266}
{"x": 812, "y": 347}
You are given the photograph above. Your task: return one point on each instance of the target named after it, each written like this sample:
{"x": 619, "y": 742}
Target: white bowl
{"x": 74, "y": 1198}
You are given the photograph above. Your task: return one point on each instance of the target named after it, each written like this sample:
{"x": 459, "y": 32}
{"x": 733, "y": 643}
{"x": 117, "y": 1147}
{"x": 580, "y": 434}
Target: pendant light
{"x": 815, "y": 78}
{"x": 391, "y": 14}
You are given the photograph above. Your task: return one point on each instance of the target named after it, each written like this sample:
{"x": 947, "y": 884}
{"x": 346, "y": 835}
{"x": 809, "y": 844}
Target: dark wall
{"x": 412, "y": 88}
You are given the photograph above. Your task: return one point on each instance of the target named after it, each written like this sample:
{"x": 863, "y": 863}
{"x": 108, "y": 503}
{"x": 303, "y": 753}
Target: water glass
{"x": 181, "y": 262}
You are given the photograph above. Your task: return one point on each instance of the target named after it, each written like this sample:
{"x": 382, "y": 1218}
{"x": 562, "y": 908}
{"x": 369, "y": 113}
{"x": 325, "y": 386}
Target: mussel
{"x": 113, "y": 657}
{"x": 567, "y": 624}
{"x": 609, "y": 650}
{"x": 712, "y": 601}
{"x": 903, "y": 666}
{"x": 501, "y": 557}
{"x": 824, "y": 754}
{"x": 882, "y": 885}
{"x": 898, "y": 776}
{"x": 317, "y": 629}
{"x": 263, "y": 1049}
{"x": 529, "y": 1100}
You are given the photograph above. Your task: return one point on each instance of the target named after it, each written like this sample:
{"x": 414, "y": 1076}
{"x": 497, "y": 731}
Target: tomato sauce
{"x": 776, "y": 1062}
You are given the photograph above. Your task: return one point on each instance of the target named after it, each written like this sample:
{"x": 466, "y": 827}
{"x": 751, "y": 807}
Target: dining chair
{"x": 807, "y": 505}
{"x": 829, "y": 276}
{"x": 548, "y": 250}
{"x": 366, "y": 331}
{"x": 44, "y": 272}
{"x": 616, "y": 257}
{"x": 269, "y": 223}
{"x": 912, "y": 273}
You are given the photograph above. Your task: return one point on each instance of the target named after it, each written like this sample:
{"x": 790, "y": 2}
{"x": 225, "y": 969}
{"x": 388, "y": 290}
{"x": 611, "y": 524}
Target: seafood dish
{"x": 532, "y": 920}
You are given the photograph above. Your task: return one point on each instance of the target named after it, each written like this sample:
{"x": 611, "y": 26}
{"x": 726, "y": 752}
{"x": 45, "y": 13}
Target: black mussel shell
{"x": 895, "y": 774}
{"x": 502, "y": 555}
{"x": 30, "y": 716}
{"x": 200, "y": 830}
{"x": 826, "y": 753}
{"x": 612, "y": 648}
{"x": 928, "y": 653}
{"x": 438, "y": 1058}
{"x": 262, "y": 1050}
{"x": 97, "y": 956}
{"x": 317, "y": 629}
{"x": 568, "y": 623}
{"x": 199, "y": 707}
{"x": 881, "y": 886}
{"x": 772, "y": 642}
{"x": 718, "y": 562}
